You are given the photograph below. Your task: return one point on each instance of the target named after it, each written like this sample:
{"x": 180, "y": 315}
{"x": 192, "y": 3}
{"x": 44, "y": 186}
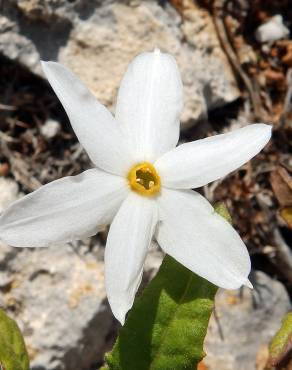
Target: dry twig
{"x": 218, "y": 16}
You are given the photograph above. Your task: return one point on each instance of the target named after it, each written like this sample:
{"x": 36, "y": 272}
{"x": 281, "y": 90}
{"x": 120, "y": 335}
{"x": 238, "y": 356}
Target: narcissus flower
{"x": 140, "y": 184}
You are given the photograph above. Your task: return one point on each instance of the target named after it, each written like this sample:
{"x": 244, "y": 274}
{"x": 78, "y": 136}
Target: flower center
{"x": 144, "y": 179}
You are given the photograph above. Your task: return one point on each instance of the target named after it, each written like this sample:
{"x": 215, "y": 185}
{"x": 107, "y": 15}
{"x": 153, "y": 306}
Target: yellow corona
{"x": 144, "y": 179}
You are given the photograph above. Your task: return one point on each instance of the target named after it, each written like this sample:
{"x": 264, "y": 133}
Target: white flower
{"x": 140, "y": 183}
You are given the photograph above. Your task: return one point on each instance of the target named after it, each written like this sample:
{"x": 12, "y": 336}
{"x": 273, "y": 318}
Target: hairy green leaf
{"x": 167, "y": 325}
{"x": 13, "y": 353}
{"x": 282, "y": 341}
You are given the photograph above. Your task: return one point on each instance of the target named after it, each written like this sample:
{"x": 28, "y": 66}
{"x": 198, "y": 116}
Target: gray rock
{"x": 245, "y": 321}
{"x": 153, "y": 261}
{"x": 98, "y": 39}
{"x": 58, "y": 299}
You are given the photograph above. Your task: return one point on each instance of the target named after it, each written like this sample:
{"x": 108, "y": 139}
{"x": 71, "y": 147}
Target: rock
{"x": 50, "y": 129}
{"x": 245, "y": 322}
{"x": 58, "y": 299}
{"x": 272, "y": 30}
{"x": 8, "y": 192}
{"x": 152, "y": 263}
{"x": 206, "y": 66}
{"x": 98, "y": 39}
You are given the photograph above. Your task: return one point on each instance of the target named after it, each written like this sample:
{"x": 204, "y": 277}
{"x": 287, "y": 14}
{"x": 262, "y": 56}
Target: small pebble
{"x": 274, "y": 29}
{"x": 50, "y": 129}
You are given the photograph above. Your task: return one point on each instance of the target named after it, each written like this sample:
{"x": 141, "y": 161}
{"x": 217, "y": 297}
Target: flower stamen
{"x": 144, "y": 179}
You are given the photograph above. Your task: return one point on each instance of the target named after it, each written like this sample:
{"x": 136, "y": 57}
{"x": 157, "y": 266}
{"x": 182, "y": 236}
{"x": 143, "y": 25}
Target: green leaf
{"x": 13, "y": 353}
{"x": 282, "y": 341}
{"x": 167, "y": 325}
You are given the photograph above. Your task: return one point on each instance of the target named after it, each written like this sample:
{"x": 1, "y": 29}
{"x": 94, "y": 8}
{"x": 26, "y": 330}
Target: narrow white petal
{"x": 127, "y": 244}
{"x": 200, "y": 239}
{"x": 197, "y": 163}
{"x": 149, "y": 104}
{"x": 68, "y": 209}
{"x": 95, "y": 127}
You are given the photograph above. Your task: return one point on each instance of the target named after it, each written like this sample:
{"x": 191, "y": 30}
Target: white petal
{"x": 200, "y": 239}
{"x": 197, "y": 163}
{"x": 149, "y": 104}
{"x": 95, "y": 127}
{"x": 68, "y": 209}
{"x": 127, "y": 244}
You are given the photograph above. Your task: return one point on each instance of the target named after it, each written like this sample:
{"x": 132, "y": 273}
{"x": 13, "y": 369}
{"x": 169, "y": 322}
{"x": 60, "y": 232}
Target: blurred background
{"x": 235, "y": 57}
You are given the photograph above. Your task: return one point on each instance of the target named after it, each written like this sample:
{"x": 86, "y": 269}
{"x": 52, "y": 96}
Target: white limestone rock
{"x": 98, "y": 39}
{"x": 272, "y": 30}
{"x": 244, "y": 324}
